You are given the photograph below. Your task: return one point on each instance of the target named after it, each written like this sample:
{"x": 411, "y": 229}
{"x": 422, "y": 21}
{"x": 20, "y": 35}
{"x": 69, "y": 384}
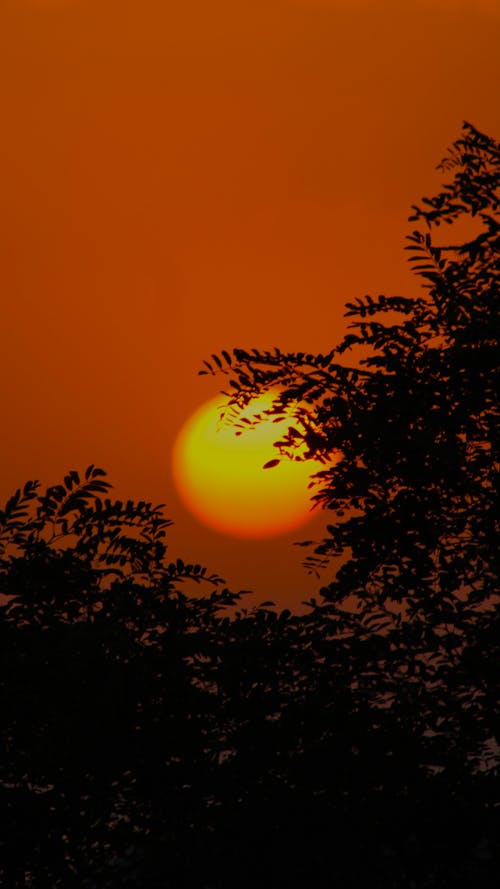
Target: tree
{"x": 414, "y": 495}
{"x": 416, "y": 422}
{"x": 154, "y": 737}
{"x": 106, "y": 711}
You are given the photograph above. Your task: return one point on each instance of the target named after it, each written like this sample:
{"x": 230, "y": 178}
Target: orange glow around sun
{"x": 219, "y": 474}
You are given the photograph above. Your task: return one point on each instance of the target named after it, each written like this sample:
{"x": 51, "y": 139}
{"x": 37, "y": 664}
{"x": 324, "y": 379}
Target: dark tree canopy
{"x": 154, "y": 736}
{"x": 416, "y": 422}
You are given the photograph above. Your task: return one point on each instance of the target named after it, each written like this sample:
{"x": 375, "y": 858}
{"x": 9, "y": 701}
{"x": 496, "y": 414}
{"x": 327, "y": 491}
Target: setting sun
{"x": 221, "y": 479}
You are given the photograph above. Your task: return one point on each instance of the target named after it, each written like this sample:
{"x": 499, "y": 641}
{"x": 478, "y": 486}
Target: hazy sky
{"x": 184, "y": 177}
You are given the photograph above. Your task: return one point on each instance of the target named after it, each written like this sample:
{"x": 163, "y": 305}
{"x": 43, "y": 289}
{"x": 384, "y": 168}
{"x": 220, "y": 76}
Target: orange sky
{"x": 184, "y": 177}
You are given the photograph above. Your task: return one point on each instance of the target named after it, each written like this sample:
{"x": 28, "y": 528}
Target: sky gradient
{"x": 184, "y": 177}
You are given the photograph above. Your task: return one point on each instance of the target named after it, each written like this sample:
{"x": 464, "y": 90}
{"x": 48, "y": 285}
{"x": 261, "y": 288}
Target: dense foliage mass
{"x": 155, "y": 737}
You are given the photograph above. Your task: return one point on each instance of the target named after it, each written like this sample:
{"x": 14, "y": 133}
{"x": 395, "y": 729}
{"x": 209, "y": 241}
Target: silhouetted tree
{"x": 105, "y": 713}
{"x": 413, "y": 423}
{"x": 157, "y": 738}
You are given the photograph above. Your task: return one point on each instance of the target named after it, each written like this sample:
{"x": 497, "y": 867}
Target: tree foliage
{"x": 414, "y": 418}
{"x": 416, "y": 422}
{"x": 155, "y": 736}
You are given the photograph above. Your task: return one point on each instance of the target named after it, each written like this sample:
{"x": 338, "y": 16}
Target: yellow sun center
{"x": 221, "y": 479}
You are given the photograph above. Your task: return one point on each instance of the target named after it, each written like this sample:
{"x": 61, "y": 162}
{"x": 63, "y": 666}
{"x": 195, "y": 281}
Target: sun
{"x": 220, "y": 475}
